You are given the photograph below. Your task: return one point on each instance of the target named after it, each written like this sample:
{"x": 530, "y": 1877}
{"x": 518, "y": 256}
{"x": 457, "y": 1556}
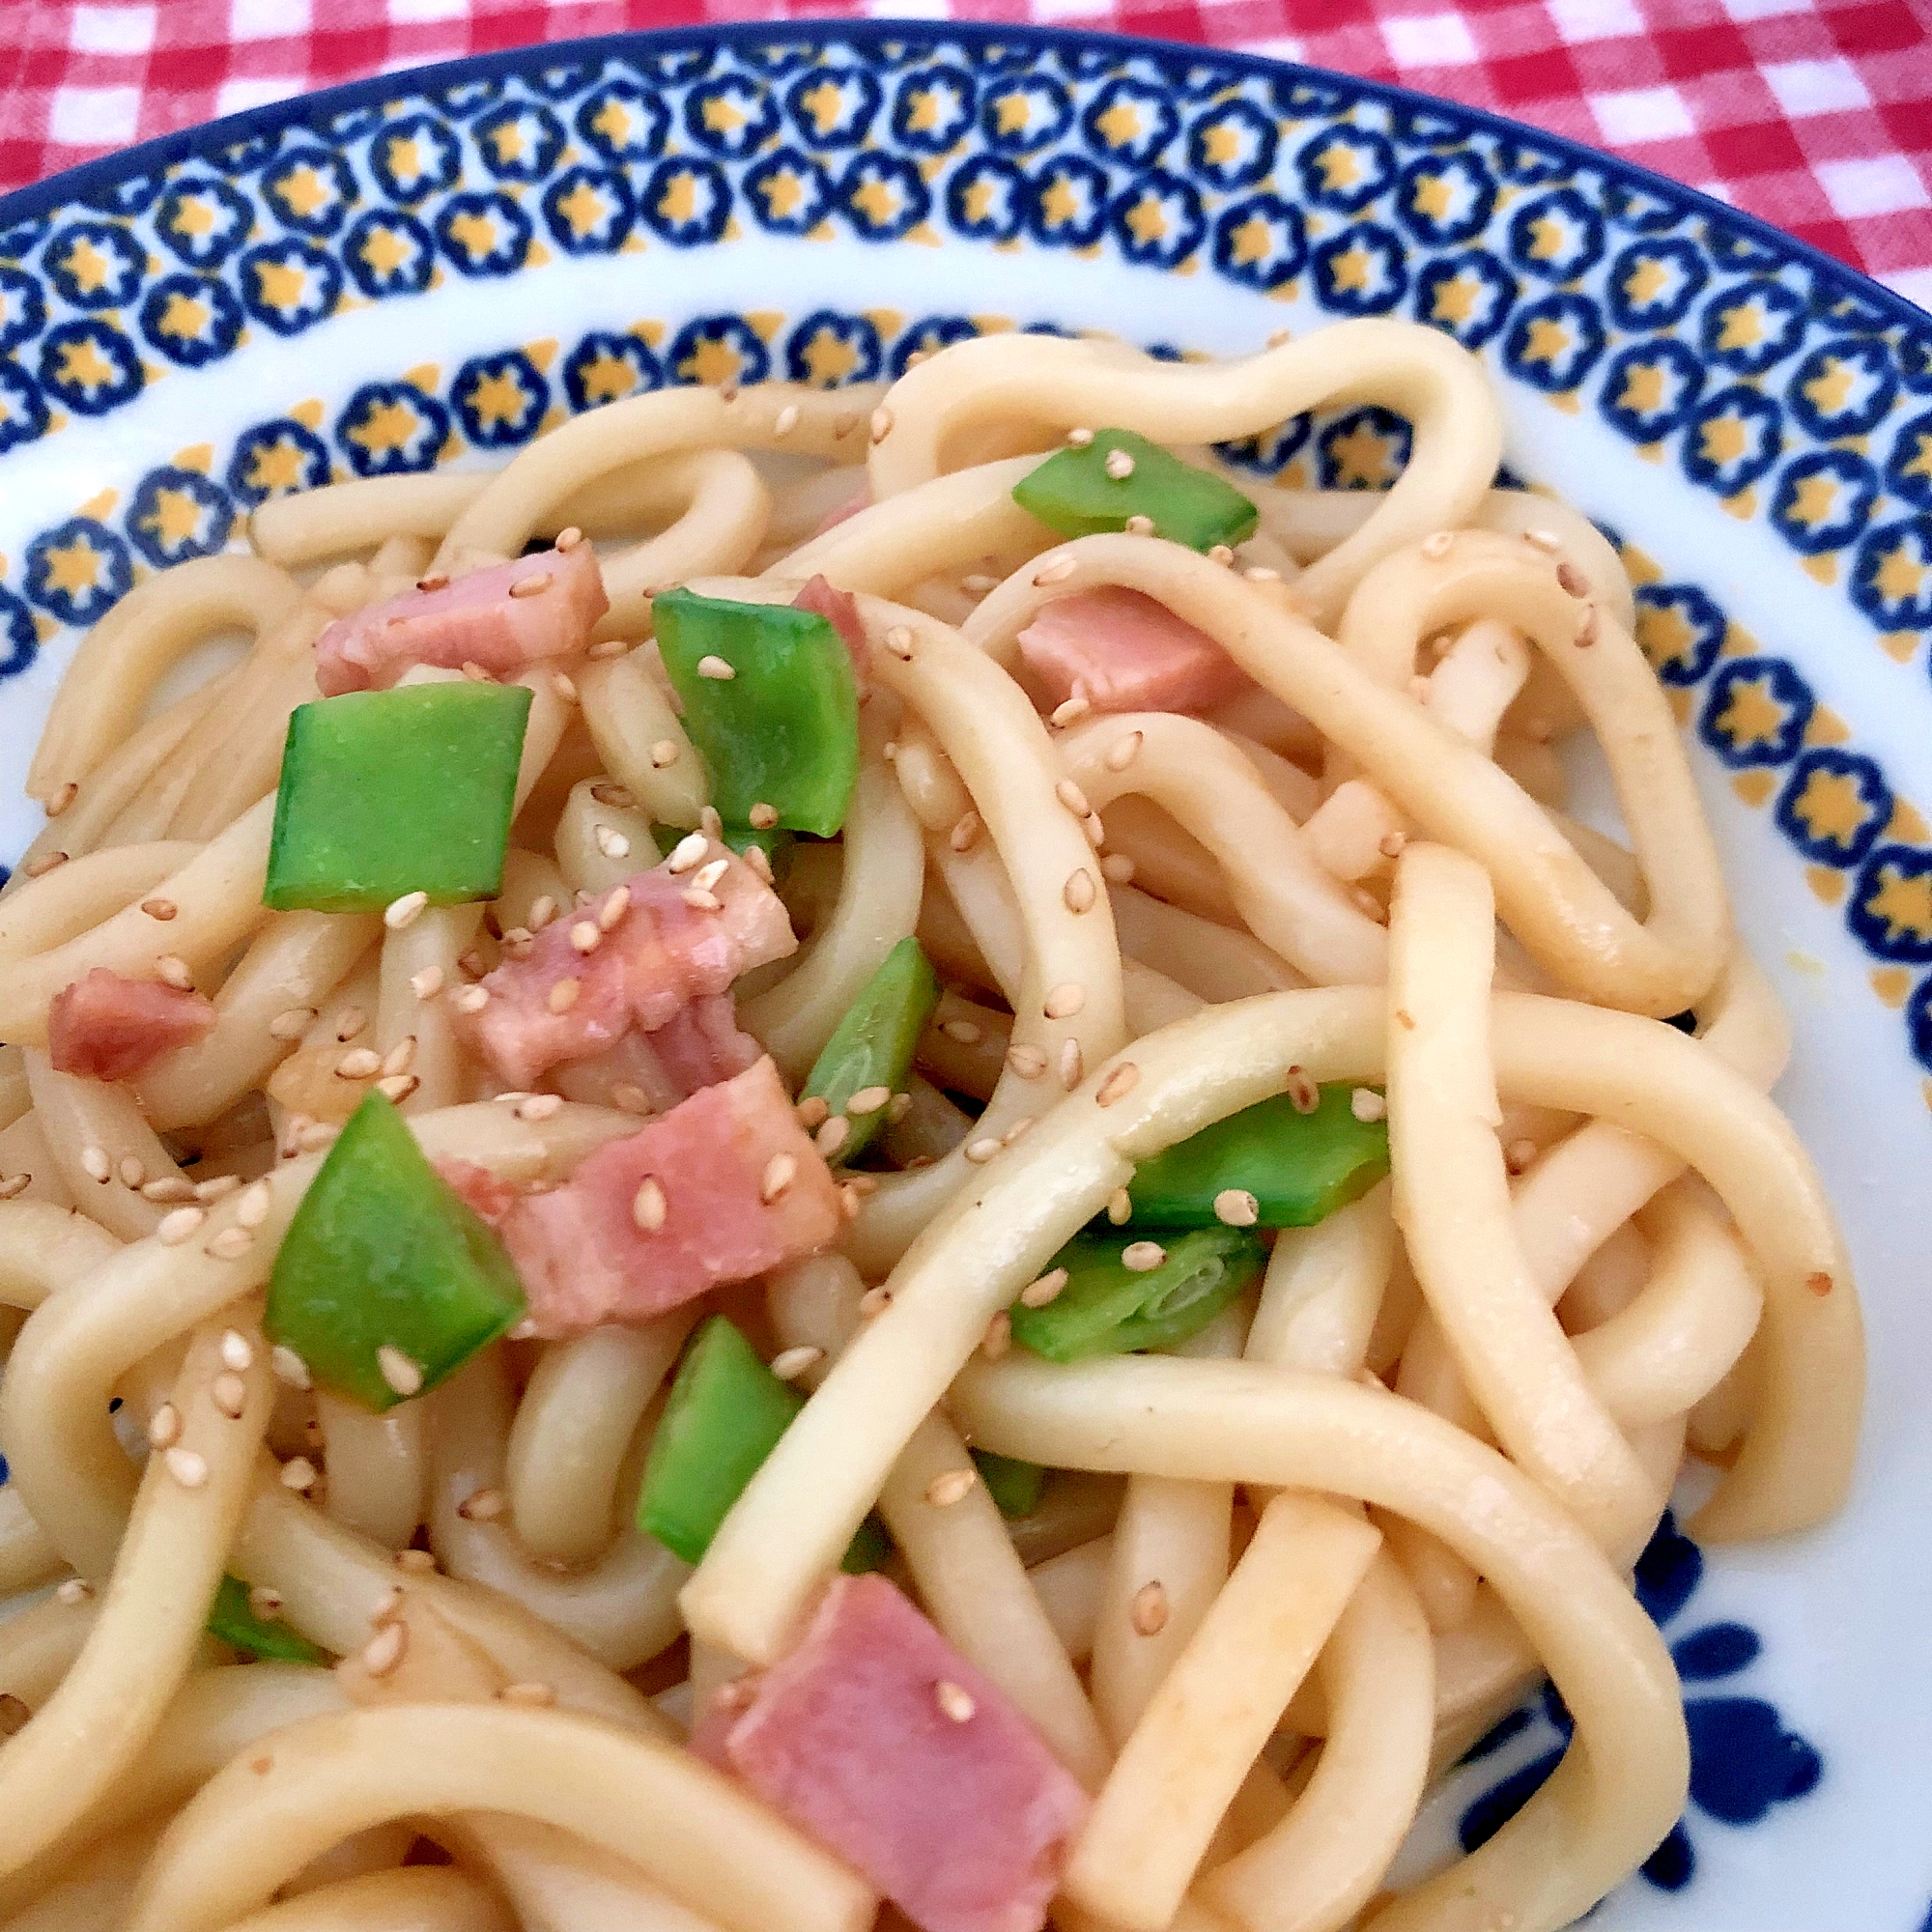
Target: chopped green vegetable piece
{"x": 1109, "y": 1309}
{"x": 1016, "y": 1486}
{"x": 1299, "y": 1167}
{"x": 871, "y": 1548}
{"x": 872, "y": 1046}
{"x": 389, "y": 792}
{"x": 783, "y": 727}
{"x": 1078, "y": 494}
{"x": 383, "y": 1264}
{"x": 233, "y": 1622}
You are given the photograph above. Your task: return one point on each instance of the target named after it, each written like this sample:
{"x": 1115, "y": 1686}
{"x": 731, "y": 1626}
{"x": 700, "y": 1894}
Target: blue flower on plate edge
{"x": 1742, "y": 1760}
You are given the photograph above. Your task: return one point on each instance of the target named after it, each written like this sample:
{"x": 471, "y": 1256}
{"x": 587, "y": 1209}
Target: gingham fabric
{"x": 1814, "y": 114}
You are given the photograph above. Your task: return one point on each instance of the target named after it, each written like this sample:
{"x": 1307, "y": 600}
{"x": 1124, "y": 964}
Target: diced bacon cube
{"x": 590, "y": 1251}
{"x": 841, "y": 610}
{"x": 109, "y": 1026}
{"x": 702, "y": 1043}
{"x": 679, "y": 941}
{"x": 490, "y": 618}
{"x": 952, "y": 1809}
{"x": 1125, "y": 652}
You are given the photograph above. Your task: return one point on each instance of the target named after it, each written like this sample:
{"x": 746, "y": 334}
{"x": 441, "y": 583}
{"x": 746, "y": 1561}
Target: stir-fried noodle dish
{"x": 880, "y": 1157}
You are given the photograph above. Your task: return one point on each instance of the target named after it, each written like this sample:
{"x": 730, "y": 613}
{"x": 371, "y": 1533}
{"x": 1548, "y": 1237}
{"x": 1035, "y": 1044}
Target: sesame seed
{"x": 688, "y": 852}
{"x": 812, "y": 1110}
{"x": 404, "y": 911}
{"x": 1221, "y": 555}
{"x": 1543, "y": 540}
{"x": 1586, "y": 631}
{"x": 1120, "y": 466}
{"x": 980, "y": 1151}
{"x": 1096, "y": 833}
{"x": 1149, "y": 1611}
{"x": 948, "y": 1487}
{"x": 564, "y": 686}
{"x": 586, "y": 936}
{"x": 1818, "y": 1282}
{"x": 1079, "y": 891}
{"x": 899, "y": 1107}
{"x": 1368, "y": 905}
{"x": 1303, "y": 1093}
{"x": 786, "y": 420}
{"x": 316, "y": 1135}
{"x": 1140, "y": 526}
{"x": 238, "y": 1352}
{"x": 475, "y": 673}
{"x": 482, "y": 1506}
{"x": 1027, "y": 1062}
{"x": 1117, "y": 1084}
{"x": 701, "y": 900}
{"x": 231, "y": 1394}
{"x": 1046, "y": 1288}
{"x": 531, "y": 586}
{"x": 882, "y": 423}
{"x": 427, "y": 984}
{"x": 712, "y": 666}
{"x": 1080, "y": 438}
{"x": 401, "y": 1057}
{"x": 1125, "y": 749}
{"x": 470, "y": 999}
{"x": 14, "y": 1184}
{"x": 171, "y": 970}
{"x": 436, "y": 582}
{"x": 999, "y": 1336}
{"x": 418, "y": 1562}
{"x": 1066, "y": 1000}
{"x": 1439, "y": 545}
{"x": 899, "y": 642}
{"x": 615, "y": 905}
{"x": 633, "y": 1099}
{"x": 384, "y": 1651}
{"x": 132, "y": 1173}
{"x": 1056, "y": 572}
{"x": 1519, "y": 1156}
{"x": 966, "y": 1032}
{"x": 165, "y": 1426}
{"x": 170, "y": 1188}
{"x": 1143, "y": 1257}
{"x": 401, "y": 1374}
{"x": 727, "y": 393}
{"x": 710, "y": 822}
{"x": 14, "y": 1715}
{"x": 531, "y": 1697}
{"x": 214, "y": 1189}
{"x": 1258, "y": 573}
{"x": 177, "y": 1227}
{"x": 1120, "y": 1206}
{"x": 1071, "y": 712}
{"x": 1073, "y": 798}
{"x": 868, "y": 1099}
{"x": 186, "y": 1466}
{"x": 1237, "y": 1207}
{"x": 349, "y": 1022}
{"x": 708, "y": 877}
{"x": 568, "y": 538}
{"x": 1072, "y": 1064}
{"x": 161, "y": 909}
{"x": 648, "y": 1206}
{"x": 359, "y": 1063}
{"x": 664, "y": 753}
{"x": 562, "y": 996}
{"x": 612, "y": 842}
{"x": 874, "y": 1302}
{"x": 230, "y": 1245}
{"x": 36, "y": 869}
{"x": 832, "y": 1135}
{"x": 1116, "y": 868}
{"x": 788, "y": 1364}
{"x": 62, "y": 799}
{"x": 298, "y": 1474}
{"x": 1573, "y": 579}
{"x": 75, "y": 1590}
{"x": 290, "y": 1369}
{"x": 96, "y": 1164}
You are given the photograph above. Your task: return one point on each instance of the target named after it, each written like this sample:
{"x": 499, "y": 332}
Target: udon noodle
{"x": 1362, "y": 1513}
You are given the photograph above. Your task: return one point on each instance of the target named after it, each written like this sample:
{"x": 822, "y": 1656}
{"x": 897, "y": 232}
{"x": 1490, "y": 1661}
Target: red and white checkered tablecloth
{"x": 1814, "y": 114}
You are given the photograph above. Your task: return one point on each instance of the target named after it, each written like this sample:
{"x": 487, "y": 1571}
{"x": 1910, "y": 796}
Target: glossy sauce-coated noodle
{"x": 1285, "y": 1568}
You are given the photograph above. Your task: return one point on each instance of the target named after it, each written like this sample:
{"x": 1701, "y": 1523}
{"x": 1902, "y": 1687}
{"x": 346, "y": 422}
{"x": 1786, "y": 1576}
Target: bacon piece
{"x": 841, "y": 610}
{"x": 109, "y": 1026}
{"x": 1125, "y": 652}
{"x": 587, "y": 1251}
{"x": 664, "y": 953}
{"x": 470, "y": 619}
{"x": 702, "y": 1044}
{"x": 954, "y": 1810}
{"x": 489, "y": 1195}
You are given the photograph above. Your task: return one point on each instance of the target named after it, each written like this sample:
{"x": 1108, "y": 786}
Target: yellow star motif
{"x": 784, "y": 194}
{"x": 927, "y": 105}
{"x": 1015, "y": 110}
{"x": 583, "y": 208}
{"x": 1646, "y": 281}
{"x": 1121, "y": 125}
{"x": 498, "y": 398}
{"x": 177, "y": 516}
{"x": 281, "y": 284}
{"x": 679, "y": 200}
{"x": 877, "y": 201}
{"x": 825, "y": 103}
{"x": 403, "y": 159}
{"x": 1921, "y": 464}
{"x": 614, "y": 122}
{"x": 384, "y": 250}
{"x": 303, "y": 191}
{"x": 476, "y": 234}
{"x": 980, "y": 199}
{"x": 1752, "y": 715}
{"x": 712, "y": 363}
{"x": 1254, "y": 242}
{"x": 1434, "y": 196}
{"x": 1352, "y": 270}
{"x": 1829, "y": 390}
{"x": 1832, "y": 807}
{"x": 193, "y": 216}
{"x": 1341, "y": 166}
{"x": 1222, "y": 144}
{"x": 89, "y": 265}
{"x": 722, "y": 115}
{"x": 1455, "y": 300}
{"x": 82, "y": 363}
{"x": 1148, "y": 220}
{"x": 75, "y": 568}
{"x": 1817, "y": 501}
{"x": 1663, "y": 631}
{"x": 277, "y": 467}
{"x": 184, "y": 317}
{"x": 1743, "y": 327}
{"x": 1059, "y": 204}
{"x": 1361, "y": 457}
{"x": 1643, "y": 388}
{"x": 508, "y": 140}
{"x": 609, "y": 379}
{"x": 1901, "y": 576}
{"x": 1722, "y": 440}
{"x": 1548, "y": 339}
{"x": 1548, "y": 236}
{"x": 829, "y": 359}
{"x": 390, "y": 427}
{"x": 1904, "y": 902}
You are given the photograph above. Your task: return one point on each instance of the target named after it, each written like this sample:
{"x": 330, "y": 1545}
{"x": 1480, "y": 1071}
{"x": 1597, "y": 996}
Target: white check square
{"x": 90, "y": 117}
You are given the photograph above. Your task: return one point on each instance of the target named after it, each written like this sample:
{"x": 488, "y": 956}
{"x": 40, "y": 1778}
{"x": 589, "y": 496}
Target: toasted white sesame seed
{"x": 75, "y": 1590}
{"x": 427, "y": 984}
{"x": 755, "y": 857}
{"x": 531, "y": 1696}
{"x": 401, "y": 1057}
{"x": 1119, "y": 1084}
{"x": 187, "y": 1468}
{"x": 1439, "y": 545}
{"x": 165, "y": 1426}
{"x": 14, "y": 1184}
{"x": 1366, "y": 1104}
{"x": 1120, "y": 466}
{"x": 701, "y": 900}
{"x": 1543, "y": 540}
{"x": 648, "y": 1206}
{"x": 470, "y": 999}
{"x": 1027, "y": 1062}
{"x": 1116, "y": 868}
{"x": 475, "y": 673}
{"x": 1519, "y": 1156}
{"x": 219, "y": 1185}
{"x": 418, "y": 1562}
{"x": 980, "y": 1151}
{"x": 1073, "y": 798}
{"x": 359, "y": 1063}
{"x": 562, "y": 995}
{"x": 264, "y": 1602}
{"x": 688, "y": 852}
{"x": 288, "y": 1367}
{"x": 786, "y": 420}
{"x": 999, "y": 1336}
{"x": 384, "y": 1651}
{"x": 169, "y": 1187}
{"x": 898, "y": 1107}
{"x": 176, "y": 1228}
{"x": 832, "y": 1135}
{"x": 1058, "y": 571}
{"x": 231, "y": 1394}
{"x": 788, "y": 1364}
{"x": 540, "y": 1107}
{"x": 882, "y": 423}
{"x": 874, "y": 1302}
{"x": 633, "y": 1099}
{"x": 708, "y": 877}
{"x": 401, "y": 1374}
{"x": 482, "y": 1506}
{"x": 1143, "y": 1257}
{"x": 664, "y": 753}
{"x": 1080, "y": 438}
{"x": 712, "y": 666}
{"x": 868, "y": 1099}
{"x": 1079, "y": 891}
{"x": 1237, "y": 1207}
{"x": 1573, "y": 579}
{"x": 1071, "y": 711}
{"x": 404, "y": 911}
{"x": 1140, "y": 526}
{"x": 96, "y": 1164}
{"x": 1221, "y": 555}
{"x": 229, "y": 1244}
{"x": 612, "y": 842}
{"x": 564, "y": 686}
{"x": 966, "y": 1032}
{"x": 316, "y": 1135}
{"x": 1586, "y": 631}
{"x": 763, "y": 817}
{"x": 238, "y": 1352}
{"x": 586, "y": 936}
{"x": 950, "y": 1485}
{"x": 1302, "y": 1091}
{"x": 1390, "y": 844}
{"x": 36, "y": 869}
{"x": 899, "y": 642}
{"x": 349, "y": 1022}
{"x": 1149, "y": 1611}
{"x": 132, "y": 1173}
{"x": 1066, "y": 1000}
{"x": 299, "y": 1475}
{"x": 1046, "y": 1288}
{"x": 812, "y": 1110}
{"x": 976, "y": 583}
{"x": 1073, "y": 1064}
{"x": 1120, "y": 1207}
{"x": 160, "y": 909}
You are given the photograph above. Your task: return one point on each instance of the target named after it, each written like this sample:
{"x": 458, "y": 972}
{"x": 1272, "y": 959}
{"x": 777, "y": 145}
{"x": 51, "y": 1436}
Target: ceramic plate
{"x": 434, "y": 266}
